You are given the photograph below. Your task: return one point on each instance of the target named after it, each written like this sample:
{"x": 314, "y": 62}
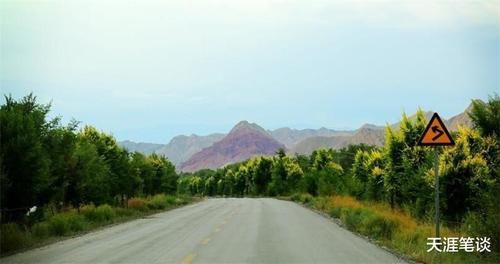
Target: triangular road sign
{"x": 436, "y": 134}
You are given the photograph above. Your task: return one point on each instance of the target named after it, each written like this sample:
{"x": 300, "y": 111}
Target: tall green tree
{"x": 25, "y": 163}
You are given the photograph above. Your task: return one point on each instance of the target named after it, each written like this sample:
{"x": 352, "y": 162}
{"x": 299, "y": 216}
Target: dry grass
{"x": 137, "y": 203}
{"x": 393, "y": 228}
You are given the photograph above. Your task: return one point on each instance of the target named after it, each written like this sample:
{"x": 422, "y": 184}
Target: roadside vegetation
{"x": 49, "y": 225}
{"x": 389, "y": 190}
{"x": 391, "y": 228}
{"x": 79, "y": 178}
{"x": 58, "y": 180}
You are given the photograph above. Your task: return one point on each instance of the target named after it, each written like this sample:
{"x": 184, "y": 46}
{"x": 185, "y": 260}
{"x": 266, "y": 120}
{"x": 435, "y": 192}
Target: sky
{"x": 150, "y": 70}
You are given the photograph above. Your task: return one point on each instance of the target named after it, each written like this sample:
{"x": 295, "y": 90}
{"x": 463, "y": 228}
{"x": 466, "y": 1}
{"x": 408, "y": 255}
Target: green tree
{"x": 25, "y": 163}
{"x": 330, "y": 180}
{"x": 486, "y": 116}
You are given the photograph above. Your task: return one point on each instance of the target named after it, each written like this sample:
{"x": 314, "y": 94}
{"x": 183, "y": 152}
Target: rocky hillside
{"x": 182, "y": 147}
{"x": 246, "y": 139}
{"x": 146, "y": 148}
{"x": 243, "y": 141}
{"x": 366, "y": 135}
{"x": 290, "y": 137}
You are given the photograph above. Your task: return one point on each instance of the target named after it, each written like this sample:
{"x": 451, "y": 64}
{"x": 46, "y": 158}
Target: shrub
{"x": 76, "y": 222}
{"x": 352, "y": 218}
{"x": 334, "y": 212}
{"x": 179, "y": 201}
{"x": 295, "y": 197}
{"x": 378, "y": 227}
{"x": 137, "y": 204}
{"x": 304, "y": 198}
{"x": 171, "y": 200}
{"x": 89, "y": 212}
{"x": 158, "y": 201}
{"x": 123, "y": 212}
{"x": 104, "y": 213}
{"x": 58, "y": 225}
{"x": 12, "y": 237}
{"x": 40, "y": 230}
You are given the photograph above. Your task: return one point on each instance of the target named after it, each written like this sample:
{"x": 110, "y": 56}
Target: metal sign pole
{"x": 436, "y": 175}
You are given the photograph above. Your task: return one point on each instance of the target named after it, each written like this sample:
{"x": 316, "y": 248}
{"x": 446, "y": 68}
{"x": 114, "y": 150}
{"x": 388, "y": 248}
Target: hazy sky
{"x": 149, "y": 70}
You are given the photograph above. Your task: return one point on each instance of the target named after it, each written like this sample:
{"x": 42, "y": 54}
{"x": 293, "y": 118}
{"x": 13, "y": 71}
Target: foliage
{"x": 43, "y": 162}
{"x": 486, "y": 117}
{"x": 137, "y": 204}
{"x": 391, "y": 227}
{"x": 14, "y": 236}
{"x": 50, "y": 165}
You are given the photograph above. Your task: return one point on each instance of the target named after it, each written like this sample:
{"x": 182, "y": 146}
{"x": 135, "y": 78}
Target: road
{"x": 225, "y": 230}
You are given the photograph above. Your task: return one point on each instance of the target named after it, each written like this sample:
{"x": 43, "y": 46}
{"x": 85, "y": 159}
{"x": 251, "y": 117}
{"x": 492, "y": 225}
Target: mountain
{"x": 243, "y": 141}
{"x": 461, "y": 119}
{"x": 182, "y": 147}
{"x": 427, "y": 114}
{"x": 246, "y": 139}
{"x": 290, "y": 137}
{"x": 370, "y": 135}
{"x": 146, "y": 148}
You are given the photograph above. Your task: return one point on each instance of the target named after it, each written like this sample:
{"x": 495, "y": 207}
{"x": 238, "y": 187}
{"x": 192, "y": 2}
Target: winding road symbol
{"x": 436, "y": 134}
{"x": 436, "y": 131}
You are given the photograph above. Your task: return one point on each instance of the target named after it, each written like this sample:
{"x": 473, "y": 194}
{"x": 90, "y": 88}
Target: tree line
{"x": 43, "y": 162}
{"x": 400, "y": 173}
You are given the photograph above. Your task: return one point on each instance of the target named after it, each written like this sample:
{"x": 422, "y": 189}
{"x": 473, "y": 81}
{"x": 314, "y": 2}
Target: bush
{"x": 88, "y": 211}
{"x": 334, "y": 212}
{"x": 137, "y": 204}
{"x": 12, "y": 237}
{"x": 58, "y": 225}
{"x": 179, "y": 201}
{"x": 378, "y": 227}
{"x": 104, "y": 213}
{"x": 352, "y": 218}
{"x": 171, "y": 200}
{"x": 158, "y": 201}
{"x": 40, "y": 230}
{"x": 76, "y": 222}
{"x": 304, "y": 198}
{"x": 295, "y": 197}
{"x": 123, "y": 212}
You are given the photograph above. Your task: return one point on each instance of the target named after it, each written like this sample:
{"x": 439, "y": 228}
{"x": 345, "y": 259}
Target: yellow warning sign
{"x": 436, "y": 134}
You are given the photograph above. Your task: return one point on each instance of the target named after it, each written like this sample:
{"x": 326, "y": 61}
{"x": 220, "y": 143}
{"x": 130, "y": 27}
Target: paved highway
{"x": 217, "y": 231}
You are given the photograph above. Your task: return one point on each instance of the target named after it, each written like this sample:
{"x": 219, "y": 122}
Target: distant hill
{"x": 461, "y": 119}
{"x": 243, "y": 141}
{"x": 246, "y": 139}
{"x": 370, "y": 134}
{"x": 146, "y": 148}
{"x": 182, "y": 147}
{"x": 367, "y": 135}
{"x": 290, "y": 137}
{"x": 427, "y": 114}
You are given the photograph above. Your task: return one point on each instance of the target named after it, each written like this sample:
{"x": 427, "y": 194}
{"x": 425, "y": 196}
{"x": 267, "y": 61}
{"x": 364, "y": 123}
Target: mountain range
{"x": 194, "y": 152}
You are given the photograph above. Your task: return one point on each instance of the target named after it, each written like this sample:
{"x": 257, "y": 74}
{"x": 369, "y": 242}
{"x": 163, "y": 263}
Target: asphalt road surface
{"x": 217, "y": 231}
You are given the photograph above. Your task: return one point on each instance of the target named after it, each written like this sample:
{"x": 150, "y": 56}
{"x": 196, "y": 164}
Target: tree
{"x": 120, "y": 178}
{"x": 486, "y": 116}
{"x": 87, "y": 179}
{"x": 25, "y": 163}
{"x": 330, "y": 181}
{"x": 261, "y": 174}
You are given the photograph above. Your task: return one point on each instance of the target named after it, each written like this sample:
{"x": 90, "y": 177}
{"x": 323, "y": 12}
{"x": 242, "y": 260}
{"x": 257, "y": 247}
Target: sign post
{"x": 436, "y": 188}
{"x": 435, "y": 135}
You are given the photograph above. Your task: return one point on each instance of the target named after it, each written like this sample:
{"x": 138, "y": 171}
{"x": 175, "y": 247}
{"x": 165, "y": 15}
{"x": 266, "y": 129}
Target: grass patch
{"x": 392, "y": 228}
{"x": 14, "y": 236}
